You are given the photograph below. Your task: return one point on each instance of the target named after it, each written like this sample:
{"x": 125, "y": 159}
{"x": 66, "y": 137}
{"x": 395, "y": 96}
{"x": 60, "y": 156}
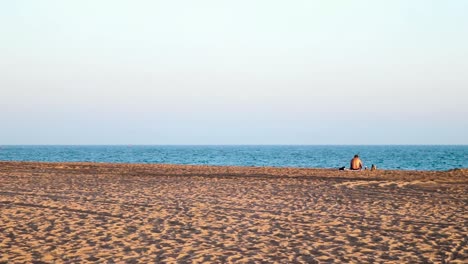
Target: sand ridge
{"x": 130, "y": 213}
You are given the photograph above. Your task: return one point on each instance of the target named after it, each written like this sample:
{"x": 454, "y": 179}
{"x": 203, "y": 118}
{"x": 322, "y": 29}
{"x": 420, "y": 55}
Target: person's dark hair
{"x": 356, "y": 156}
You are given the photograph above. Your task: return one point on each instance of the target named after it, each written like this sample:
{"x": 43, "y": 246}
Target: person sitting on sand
{"x": 356, "y": 163}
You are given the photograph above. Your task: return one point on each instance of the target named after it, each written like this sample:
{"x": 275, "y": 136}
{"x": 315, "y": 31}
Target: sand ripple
{"x": 83, "y": 212}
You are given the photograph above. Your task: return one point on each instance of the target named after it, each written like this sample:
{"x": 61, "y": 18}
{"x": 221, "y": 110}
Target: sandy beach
{"x": 133, "y": 213}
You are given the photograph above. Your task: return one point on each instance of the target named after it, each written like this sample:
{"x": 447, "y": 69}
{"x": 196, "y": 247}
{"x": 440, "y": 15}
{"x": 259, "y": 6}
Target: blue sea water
{"x": 385, "y": 157}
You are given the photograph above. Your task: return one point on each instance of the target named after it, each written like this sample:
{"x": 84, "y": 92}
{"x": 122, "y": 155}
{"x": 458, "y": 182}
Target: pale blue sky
{"x": 233, "y": 72}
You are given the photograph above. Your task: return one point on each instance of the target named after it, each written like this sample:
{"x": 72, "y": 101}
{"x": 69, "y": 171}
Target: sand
{"x": 121, "y": 213}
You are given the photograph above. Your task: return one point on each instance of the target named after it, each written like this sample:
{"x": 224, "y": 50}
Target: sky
{"x": 233, "y": 72}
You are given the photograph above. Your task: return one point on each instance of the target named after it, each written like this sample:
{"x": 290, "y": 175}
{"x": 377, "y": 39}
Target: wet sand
{"x": 121, "y": 213}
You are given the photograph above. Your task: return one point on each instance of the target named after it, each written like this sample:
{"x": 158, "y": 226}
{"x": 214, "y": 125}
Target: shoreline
{"x": 452, "y": 175}
{"x": 206, "y": 165}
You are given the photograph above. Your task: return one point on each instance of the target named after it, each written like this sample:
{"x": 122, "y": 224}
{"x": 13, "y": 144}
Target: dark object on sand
{"x": 373, "y": 167}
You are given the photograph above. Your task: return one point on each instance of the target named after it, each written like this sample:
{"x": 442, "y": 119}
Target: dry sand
{"x": 121, "y": 213}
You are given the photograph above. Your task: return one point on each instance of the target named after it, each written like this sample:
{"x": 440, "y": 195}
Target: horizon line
{"x": 235, "y": 144}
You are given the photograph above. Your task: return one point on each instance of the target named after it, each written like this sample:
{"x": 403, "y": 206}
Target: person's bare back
{"x": 356, "y": 163}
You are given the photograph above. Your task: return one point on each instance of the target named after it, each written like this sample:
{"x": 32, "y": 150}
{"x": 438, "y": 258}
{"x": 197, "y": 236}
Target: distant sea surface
{"x": 385, "y": 157}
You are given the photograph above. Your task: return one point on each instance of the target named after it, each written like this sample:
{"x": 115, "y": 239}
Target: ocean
{"x": 421, "y": 157}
